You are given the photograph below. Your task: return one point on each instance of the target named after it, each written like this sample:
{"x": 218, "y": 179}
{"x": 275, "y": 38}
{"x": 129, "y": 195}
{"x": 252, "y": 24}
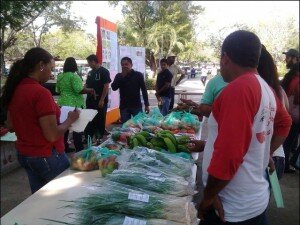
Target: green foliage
{"x": 57, "y": 14}
{"x": 163, "y": 27}
{"x": 150, "y": 84}
{"x": 24, "y": 43}
{"x": 216, "y": 39}
{"x": 16, "y": 14}
{"x": 77, "y": 44}
{"x": 66, "y": 44}
{"x": 278, "y": 36}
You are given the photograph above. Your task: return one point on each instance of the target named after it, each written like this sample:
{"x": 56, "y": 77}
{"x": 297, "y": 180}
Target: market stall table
{"x": 47, "y": 202}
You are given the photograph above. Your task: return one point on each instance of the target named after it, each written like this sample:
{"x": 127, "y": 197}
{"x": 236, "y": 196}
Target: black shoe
{"x": 289, "y": 170}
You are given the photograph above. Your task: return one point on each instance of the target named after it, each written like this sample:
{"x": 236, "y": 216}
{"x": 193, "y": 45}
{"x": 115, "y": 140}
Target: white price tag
{"x": 132, "y": 221}
{"x": 138, "y": 197}
{"x": 154, "y": 174}
{"x": 158, "y": 178}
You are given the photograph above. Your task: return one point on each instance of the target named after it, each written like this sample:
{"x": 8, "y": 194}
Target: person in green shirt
{"x": 212, "y": 91}
{"x": 71, "y": 89}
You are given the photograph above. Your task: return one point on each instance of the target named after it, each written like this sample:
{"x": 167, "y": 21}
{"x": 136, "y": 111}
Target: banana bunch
{"x": 140, "y": 139}
{"x": 163, "y": 140}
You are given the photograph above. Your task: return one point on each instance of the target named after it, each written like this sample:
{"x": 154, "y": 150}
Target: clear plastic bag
{"x": 142, "y": 119}
{"x": 88, "y": 217}
{"x": 87, "y": 159}
{"x": 111, "y": 145}
{"x": 111, "y": 197}
{"x": 156, "y": 182}
{"x": 107, "y": 161}
{"x": 162, "y": 161}
{"x": 184, "y": 122}
{"x": 121, "y": 135}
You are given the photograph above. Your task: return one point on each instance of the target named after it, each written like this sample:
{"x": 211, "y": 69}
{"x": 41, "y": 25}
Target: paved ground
{"x": 15, "y": 186}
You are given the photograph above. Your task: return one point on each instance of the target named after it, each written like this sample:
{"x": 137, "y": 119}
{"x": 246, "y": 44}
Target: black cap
{"x": 292, "y": 52}
{"x": 243, "y": 48}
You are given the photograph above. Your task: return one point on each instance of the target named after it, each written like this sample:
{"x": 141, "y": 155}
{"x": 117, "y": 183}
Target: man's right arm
{"x": 116, "y": 84}
{"x": 182, "y": 75}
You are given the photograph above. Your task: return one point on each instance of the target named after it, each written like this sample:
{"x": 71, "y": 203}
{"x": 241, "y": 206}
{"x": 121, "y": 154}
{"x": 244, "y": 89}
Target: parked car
{"x": 57, "y": 70}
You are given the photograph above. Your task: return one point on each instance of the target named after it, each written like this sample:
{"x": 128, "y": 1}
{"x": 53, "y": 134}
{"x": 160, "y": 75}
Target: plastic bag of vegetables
{"x": 111, "y": 197}
{"x": 181, "y": 122}
{"x": 135, "y": 122}
{"x": 156, "y": 182}
{"x": 85, "y": 160}
{"x": 118, "y": 219}
{"x": 120, "y": 135}
{"x": 154, "y": 118}
{"x": 107, "y": 161}
{"x": 88, "y": 217}
{"x": 111, "y": 145}
{"x": 162, "y": 161}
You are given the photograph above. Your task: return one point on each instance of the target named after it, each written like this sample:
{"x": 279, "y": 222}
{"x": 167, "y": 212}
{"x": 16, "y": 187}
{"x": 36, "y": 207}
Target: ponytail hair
{"x": 268, "y": 71}
{"x": 20, "y": 70}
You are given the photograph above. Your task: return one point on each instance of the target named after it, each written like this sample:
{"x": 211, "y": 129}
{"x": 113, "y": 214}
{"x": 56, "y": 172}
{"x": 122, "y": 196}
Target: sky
{"x": 218, "y": 13}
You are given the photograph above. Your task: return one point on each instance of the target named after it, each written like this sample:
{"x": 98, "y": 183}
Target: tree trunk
{"x": 153, "y": 65}
{"x": 2, "y": 62}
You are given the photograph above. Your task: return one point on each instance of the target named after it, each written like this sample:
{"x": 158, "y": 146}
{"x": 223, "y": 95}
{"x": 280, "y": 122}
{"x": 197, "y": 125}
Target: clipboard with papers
{"x": 275, "y": 188}
{"x": 85, "y": 116}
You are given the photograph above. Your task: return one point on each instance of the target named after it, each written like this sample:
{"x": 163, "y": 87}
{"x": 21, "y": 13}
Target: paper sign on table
{"x": 85, "y": 116}
{"x": 132, "y": 221}
{"x": 138, "y": 197}
{"x": 276, "y": 189}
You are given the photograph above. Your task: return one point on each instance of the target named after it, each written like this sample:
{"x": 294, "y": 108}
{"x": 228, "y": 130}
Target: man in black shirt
{"x": 98, "y": 79}
{"x": 163, "y": 87}
{"x": 130, "y": 82}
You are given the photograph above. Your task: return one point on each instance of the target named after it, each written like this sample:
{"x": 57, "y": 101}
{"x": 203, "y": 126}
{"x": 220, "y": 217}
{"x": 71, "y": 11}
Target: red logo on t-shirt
{"x": 261, "y": 137}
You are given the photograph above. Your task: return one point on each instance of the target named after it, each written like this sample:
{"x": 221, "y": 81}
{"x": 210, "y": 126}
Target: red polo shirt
{"x": 30, "y": 102}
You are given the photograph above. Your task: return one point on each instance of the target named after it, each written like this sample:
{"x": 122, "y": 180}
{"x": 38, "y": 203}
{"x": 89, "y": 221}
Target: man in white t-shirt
{"x": 247, "y": 124}
{"x": 175, "y": 70}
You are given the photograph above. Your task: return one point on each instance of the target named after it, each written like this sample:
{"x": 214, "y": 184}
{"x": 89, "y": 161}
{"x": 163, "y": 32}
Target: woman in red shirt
{"x": 291, "y": 84}
{"x": 34, "y": 116}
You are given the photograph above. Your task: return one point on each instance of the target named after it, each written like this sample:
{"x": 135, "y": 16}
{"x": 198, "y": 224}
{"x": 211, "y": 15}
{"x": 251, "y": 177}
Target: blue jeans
{"x": 128, "y": 112}
{"x": 164, "y": 108}
{"x": 289, "y": 145}
{"x": 211, "y": 218}
{"x": 279, "y": 165}
{"x": 41, "y": 170}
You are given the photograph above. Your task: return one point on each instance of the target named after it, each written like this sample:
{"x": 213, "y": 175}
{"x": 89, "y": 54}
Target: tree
{"x": 75, "y": 44}
{"x": 15, "y": 16}
{"x": 278, "y": 36}
{"x": 161, "y": 27}
{"x": 57, "y": 14}
{"x": 216, "y": 39}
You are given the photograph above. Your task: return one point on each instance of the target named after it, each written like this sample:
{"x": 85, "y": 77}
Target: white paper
{"x": 85, "y": 116}
{"x": 132, "y": 221}
{"x": 64, "y": 113}
{"x": 138, "y": 197}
